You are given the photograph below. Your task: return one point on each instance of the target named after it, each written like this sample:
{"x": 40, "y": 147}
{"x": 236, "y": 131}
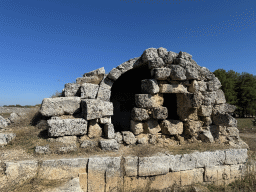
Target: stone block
{"x": 20, "y": 171}
{"x": 135, "y": 183}
{"x": 105, "y": 120}
{"x": 128, "y": 65}
{"x": 207, "y": 121}
{"x": 170, "y": 57}
{"x": 192, "y": 71}
{"x": 14, "y": 117}
{"x": 103, "y": 174}
{"x": 131, "y": 166}
{"x": 104, "y": 94}
{"x": 209, "y": 98}
{"x": 109, "y": 145}
{"x": 149, "y": 86}
{"x": 106, "y": 82}
{"x": 206, "y": 73}
{"x": 190, "y": 177}
{"x": 71, "y": 90}
{"x": 128, "y": 137}
{"x": 89, "y": 90}
{"x": 188, "y": 100}
{"x": 232, "y": 131}
{"x": 156, "y": 63}
{"x": 142, "y": 139}
{"x": 42, "y": 149}
{"x": 72, "y": 185}
{"x": 172, "y": 88}
{"x": 139, "y": 114}
{"x": 220, "y": 97}
{"x": 94, "y": 129}
{"x": 182, "y": 162}
{"x": 162, "y": 52}
{"x": 109, "y": 131}
{"x": 152, "y": 127}
{"x": 202, "y": 159}
{"x": 177, "y": 72}
{"x": 223, "y": 108}
{"x": 160, "y": 112}
{"x": 186, "y": 113}
{"x": 95, "y": 108}
{"x": 206, "y": 136}
{"x": 6, "y": 138}
{"x": 3, "y": 122}
{"x": 163, "y": 182}
{"x": 62, "y": 168}
{"x": 154, "y": 165}
{"x": 119, "y": 137}
{"x": 60, "y": 106}
{"x": 88, "y": 144}
{"x": 205, "y": 110}
{"x": 217, "y": 174}
{"x": 214, "y": 84}
{"x": 62, "y": 127}
{"x": 136, "y": 127}
{"x": 191, "y": 128}
{"x": 237, "y": 171}
{"x": 224, "y": 120}
{"x": 114, "y": 74}
{"x": 216, "y": 157}
{"x": 161, "y": 73}
{"x": 83, "y": 181}
{"x": 184, "y": 55}
{"x": 202, "y": 86}
{"x": 98, "y": 72}
{"x": 149, "y": 54}
{"x": 148, "y": 100}
{"x": 172, "y": 127}
{"x": 236, "y": 156}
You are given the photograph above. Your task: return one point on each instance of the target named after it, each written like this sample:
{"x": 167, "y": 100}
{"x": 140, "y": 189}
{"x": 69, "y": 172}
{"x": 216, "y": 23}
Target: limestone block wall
{"x": 130, "y": 173}
{"x": 199, "y": 111}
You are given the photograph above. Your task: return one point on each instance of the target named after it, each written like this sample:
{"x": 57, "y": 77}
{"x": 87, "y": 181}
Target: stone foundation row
{"x": 131, "y": 172}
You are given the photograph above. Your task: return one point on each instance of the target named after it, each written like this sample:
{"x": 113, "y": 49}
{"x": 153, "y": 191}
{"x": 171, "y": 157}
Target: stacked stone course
{"x": 203, "y": 112}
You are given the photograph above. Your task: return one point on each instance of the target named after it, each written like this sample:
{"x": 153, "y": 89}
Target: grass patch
{"x": 5, "y": 115}
{"x": 246, "y": 125}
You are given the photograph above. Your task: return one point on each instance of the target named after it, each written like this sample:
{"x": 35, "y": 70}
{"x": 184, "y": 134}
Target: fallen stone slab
{"x": 3, "y": 122}
{"x": 60, "y": 106}
{"x": 62, "y": 127}
{"x": 6, "y": 138}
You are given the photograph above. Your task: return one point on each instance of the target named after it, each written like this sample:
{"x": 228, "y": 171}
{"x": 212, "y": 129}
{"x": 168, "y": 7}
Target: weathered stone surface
{"x": 223, "y": 108}
{"x": 237, "y": 171}
{"x": 72, "y": 185}
{"x": 182, "y": 162}
{"x": 6, "y": 138}
{"x": 89, "y": 90}
{"x": 114, "y": 74}
{"x": 209, "y": 98}
{"x": 131, "y": 166}
{"x": 3, "y": 122}
{"x": 152, "y": 127}
{"x": 214, "y": 84}
{"x": 181, "y": 61}
{"x": 42, "y": 149}
{"x": 20, "y": 171}
{"x": 172, "y": 127}
{"x": 139, "y": 114}
{"x": 177, "y": 72}
{"x": 205, "y": 110}
{"x": 128, "y": 137}
{"x": 188, "y": 100}
{"x": 163, "y": 182}
{"x": 106, "y": 82}
{"x": 63, "y": 127}
{"x": 148, "y": 101}
{"x": 62, "y": 168}
{"x": 160, "y": 112}
{"x": 172, "y": 88}
{"x": 206, "y": 73}
{"x": 135, "y": 183}
{"x": 156, "y": 63}
{"x": 95, "y": 108}
{"x": 216, "y": 174}
{"x": 206, "y": 137}
{"x": 142, "y": 139}
{"x": 236, "y": 156}
{"x": 149, "y": 86}
{"x": 105, "y": 120}
{"x": 194, "y": 87}
{"x": 94, "y": 77}
{"x": 191, "y": 128}
{"x": 109, "y": 131}
{"x": 128, "y": 65}
{"x": 216, "y": 157}
{"x": 207, "y": 121}
{"x": 119, "y": 137}
{"x": 187, "y": 113}
{"x": 149, "y": 54}
{"x": 184, "y": 55}
{"x": 136, "y": 127}
{"x": 60, "y": 106}
{"x": 171, "y": 56}
{"x": 192, "y": 71}
{"x": 104, "y": 174}
{"x": 94, "y": 129}
{"x": 98, "y": 72}
{"x": 14, "y": 117}
{"x": 220, "y": 97}
{"x": 104, "y": 94}
{"x": 162, "y": 52}
{"x": 88, "y": 143}
{"x": 161, "y": 73}
{"x": 232, "y": 131}
{"x": 154, "y": 165}
{"x": 190, "y": 177}
{"x": 109, "y": 145}
{"x": 202, "y": 86}
{"x": 71, "y": 90}
{"x": 224, "y": 120}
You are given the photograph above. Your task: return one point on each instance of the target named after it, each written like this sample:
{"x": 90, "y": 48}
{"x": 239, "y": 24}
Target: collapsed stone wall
{"x": 180, "y": 102}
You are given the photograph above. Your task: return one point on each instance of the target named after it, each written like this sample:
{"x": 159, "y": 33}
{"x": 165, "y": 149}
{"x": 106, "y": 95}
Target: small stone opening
{"x": 123, "y": 96}
{"x": 170, "y": 102}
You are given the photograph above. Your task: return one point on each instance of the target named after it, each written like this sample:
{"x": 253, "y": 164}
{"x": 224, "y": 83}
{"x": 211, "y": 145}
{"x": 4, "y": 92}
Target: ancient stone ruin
{"x": 158, "y": 97}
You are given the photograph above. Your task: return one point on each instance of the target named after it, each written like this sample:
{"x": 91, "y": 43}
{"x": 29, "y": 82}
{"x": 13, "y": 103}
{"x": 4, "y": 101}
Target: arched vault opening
{"x": 123, "y": 96}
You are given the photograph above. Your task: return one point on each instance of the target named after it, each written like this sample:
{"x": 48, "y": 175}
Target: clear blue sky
{"x": 45, "y": 44}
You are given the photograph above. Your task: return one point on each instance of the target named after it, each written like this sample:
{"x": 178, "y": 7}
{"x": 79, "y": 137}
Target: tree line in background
{"x": 239, "y": 90}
